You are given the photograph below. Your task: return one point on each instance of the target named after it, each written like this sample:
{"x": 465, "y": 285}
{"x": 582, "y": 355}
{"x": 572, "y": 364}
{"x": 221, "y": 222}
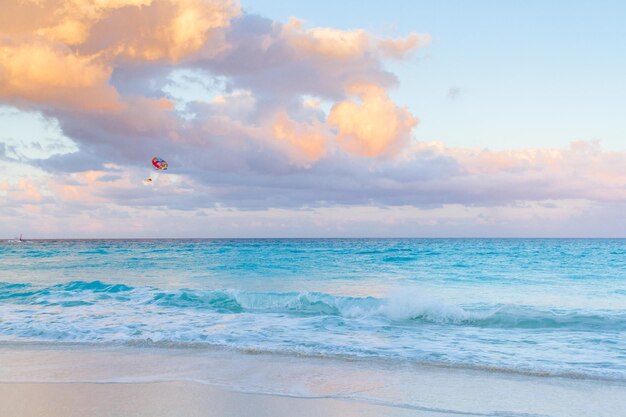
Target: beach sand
{"x": 179, "y": 399}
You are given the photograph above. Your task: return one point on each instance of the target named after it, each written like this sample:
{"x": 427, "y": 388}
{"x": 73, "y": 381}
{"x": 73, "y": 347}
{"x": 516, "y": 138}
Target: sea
{"x": 535, "y": 307}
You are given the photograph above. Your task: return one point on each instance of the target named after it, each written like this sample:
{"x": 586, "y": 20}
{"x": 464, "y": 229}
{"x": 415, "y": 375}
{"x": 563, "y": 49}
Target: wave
{"x": 405, "y": 325}
{"x": 401, "y": 307}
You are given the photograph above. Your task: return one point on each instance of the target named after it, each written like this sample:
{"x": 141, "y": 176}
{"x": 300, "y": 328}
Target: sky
{"x": 312, "y": 119}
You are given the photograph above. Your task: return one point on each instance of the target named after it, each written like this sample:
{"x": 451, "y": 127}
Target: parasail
{"x": 159, "y": 164}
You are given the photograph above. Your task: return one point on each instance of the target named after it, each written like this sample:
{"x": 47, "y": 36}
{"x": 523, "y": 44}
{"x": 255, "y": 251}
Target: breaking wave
{"x": 405, "y": 325}
{"x": 409, "y": 307}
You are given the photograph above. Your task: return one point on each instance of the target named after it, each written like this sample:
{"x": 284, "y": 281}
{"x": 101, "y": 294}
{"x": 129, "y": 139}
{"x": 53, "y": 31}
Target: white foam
{"x": 410, "y": 304}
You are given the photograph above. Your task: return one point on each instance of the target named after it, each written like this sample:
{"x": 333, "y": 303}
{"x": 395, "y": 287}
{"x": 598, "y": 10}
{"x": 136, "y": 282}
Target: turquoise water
{"x": 519, "y": 305}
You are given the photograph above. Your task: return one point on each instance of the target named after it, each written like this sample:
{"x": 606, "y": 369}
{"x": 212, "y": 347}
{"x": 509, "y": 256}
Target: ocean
{"x": 538, "y": 307}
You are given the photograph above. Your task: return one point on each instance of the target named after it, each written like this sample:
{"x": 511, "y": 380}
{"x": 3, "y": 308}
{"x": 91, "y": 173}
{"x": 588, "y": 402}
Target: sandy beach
{"x": 113, "y": 381}
{"x": 165, "y": 399}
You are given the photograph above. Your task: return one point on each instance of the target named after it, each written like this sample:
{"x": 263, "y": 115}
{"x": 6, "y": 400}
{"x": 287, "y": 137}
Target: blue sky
{"x": 529, "y": 73}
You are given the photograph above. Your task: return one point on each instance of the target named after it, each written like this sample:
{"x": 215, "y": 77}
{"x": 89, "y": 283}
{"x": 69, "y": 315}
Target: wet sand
{"x": 179, "y": 399}
{"x": 76, "y": 380}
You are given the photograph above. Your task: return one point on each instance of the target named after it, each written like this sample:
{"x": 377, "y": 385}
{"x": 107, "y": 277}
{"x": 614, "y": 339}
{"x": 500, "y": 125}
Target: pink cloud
{"x": 347, "y": 44}
{"x": 328, "y": 42}
{"x": 61, "y": 54}
{"x": 372, "y": 126}
{"x": 22, "y": 192}
{"x": 43, "y": 74}
{"x": 399, "y": 48}
{"x": 305, "y": 142}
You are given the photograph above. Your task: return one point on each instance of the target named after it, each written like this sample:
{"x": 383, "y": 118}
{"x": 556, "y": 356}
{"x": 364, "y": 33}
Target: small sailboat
{"x": 16, "y": 239}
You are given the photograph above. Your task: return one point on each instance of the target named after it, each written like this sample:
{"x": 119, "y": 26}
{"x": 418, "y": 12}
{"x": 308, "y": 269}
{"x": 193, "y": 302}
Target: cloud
{"x": 347, "y": 44}
{"x": 61, "y": 54}
{"x": 159, "y": 30}
{"x": 24, "y": 192}
{"x": 583, "y": 170}
{"x": 374, "y": 125}
{"x": 283, "y": 61}
{"x": 454, "y": 93}
{"x": 112, "y": 59}
{"x": 325, "y": 42}
{"x": 399, "y": 48}
{"x": 252, "y": 114}
{"x": 305, "y": 142}
{"x": 137, "y": 29}
{"x": 38, "y": 73}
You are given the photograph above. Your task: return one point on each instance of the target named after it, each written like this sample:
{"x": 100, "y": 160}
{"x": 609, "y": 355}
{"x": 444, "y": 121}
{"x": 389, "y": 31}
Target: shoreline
{"x": 192, "y": 347}
{"x": 322, "y": 384}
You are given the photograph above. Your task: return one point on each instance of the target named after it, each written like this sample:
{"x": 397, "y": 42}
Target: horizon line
{"x": 317, "y": 238}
